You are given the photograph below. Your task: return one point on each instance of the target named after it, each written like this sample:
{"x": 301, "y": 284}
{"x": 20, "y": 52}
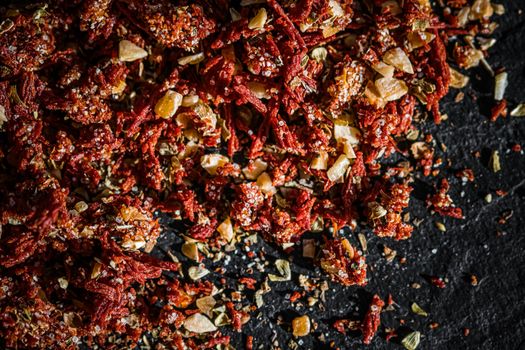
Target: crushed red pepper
{"x": 372, "y": 319}
{"x": 268, "y": 118}
{"x": 500, "y": 109}
{"x": 442, "y": 203}
{"x": 438, "y": 282}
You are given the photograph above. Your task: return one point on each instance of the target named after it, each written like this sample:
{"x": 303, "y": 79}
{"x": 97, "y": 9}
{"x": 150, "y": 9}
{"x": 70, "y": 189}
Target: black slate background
{"x": 494, "y": 310}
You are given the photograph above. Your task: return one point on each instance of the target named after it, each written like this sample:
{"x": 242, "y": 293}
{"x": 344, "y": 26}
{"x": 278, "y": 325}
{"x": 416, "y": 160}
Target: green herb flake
{"x": 418, "y": 310}
{"x": 411, "y": 341}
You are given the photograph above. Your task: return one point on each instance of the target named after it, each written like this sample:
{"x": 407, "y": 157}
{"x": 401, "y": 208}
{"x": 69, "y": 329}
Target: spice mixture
{"x": 236, "y": 118}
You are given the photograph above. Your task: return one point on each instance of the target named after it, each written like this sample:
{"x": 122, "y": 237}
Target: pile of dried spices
{"x": 268, "y": 118}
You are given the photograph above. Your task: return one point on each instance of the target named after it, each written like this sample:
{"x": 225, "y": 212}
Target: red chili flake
{"x": 343, "y": 262}
{"x": 473, "y": 280}
{"x": 390, "y": 300}
{"x": 340, "y": 326}
{"x": 467, "y": 174}
{"x": 505, "y": 216}
{"x": 500, "y": 109}
{"x": 438, "y": 282}
{"x": 372, "y": 319}
{"x": 386, "y": 215}
{"x": 501, "y": 193}
{"x": 203, "y": 231}
{"x": 248, "y": 282}
{"x": 250, "y": 200}
{"x": 249, "y": 342}
{"x": 442, "y": 203}
{"x": 173, "y": 26}
{"x": 212, "y": 343}
{"x": 390, "y": 334}
{"x": 438, "y": 70}
{"x": 295, "y": 296}
{"x": 516, "y": 148}
{"x": 238, "y": 317}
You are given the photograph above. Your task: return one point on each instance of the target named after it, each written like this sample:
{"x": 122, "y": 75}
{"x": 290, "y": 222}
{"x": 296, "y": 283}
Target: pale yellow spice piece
{"x": 129, "y": 52}
{"x": 301, "y": 326}
{"x": 168, "y": 104}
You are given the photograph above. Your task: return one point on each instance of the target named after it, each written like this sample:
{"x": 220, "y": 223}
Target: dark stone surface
{"x": 493, "y": 310}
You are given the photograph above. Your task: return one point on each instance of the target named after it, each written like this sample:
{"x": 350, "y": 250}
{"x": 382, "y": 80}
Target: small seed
{"x": 97, "y": 269}
{"x": 309, "y": 248}
{"x": 499, "y": 9}
{"x": 63, "y": 282}
{"x": 412, "y": 135}
{"x": 440, "y": 226}
{"x": 362, "y": 241}
{"x": 3, "y": 117}
{"x": 319, "y": 54}
{"x": 312, "y": 301}
{"x": 191, "y": 59}
{"x": 6, "y": 25}
{"x": 81, "y": 206}
{"x": 259, "y": 90}
{"x": 495, "y": 164}
{"x": 457, "y": 79}
{"x": 501, "y": 83}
